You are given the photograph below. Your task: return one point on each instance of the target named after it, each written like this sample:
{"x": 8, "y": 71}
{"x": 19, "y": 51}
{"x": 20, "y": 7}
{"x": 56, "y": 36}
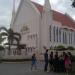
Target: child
{"x": 67, "y": 63}
{"x": 33, "y": 61}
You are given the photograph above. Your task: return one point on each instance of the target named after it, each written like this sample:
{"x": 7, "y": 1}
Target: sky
{"x": 6, "y": 6}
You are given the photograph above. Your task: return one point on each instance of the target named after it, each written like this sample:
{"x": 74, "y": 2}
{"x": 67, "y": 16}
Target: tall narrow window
{"x": 50, "y": 32}
{"x": 69, "y": 37}
{"x": 74, "y": 38}
{"x": 57, "y": 33}
{"x": 60, "y": 35}
{"x": 54, "y": 33}
{"x": 63, "y": 37}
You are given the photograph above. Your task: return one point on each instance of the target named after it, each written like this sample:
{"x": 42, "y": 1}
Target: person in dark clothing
{"x": 64, "y": 54}
{"x": 56, "y": 62}
{"x": 61, "y": 64}
{"x": 46, "y": 60}
{"x": 51, "y": 62}
{"x": 71, "y": 58}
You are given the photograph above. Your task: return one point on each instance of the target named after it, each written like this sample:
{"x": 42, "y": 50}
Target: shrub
{"x": 70, "y": 48}
{"x": 60, "y": 47}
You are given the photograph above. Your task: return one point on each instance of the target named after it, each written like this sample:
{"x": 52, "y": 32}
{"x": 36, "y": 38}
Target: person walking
{"x": 46, "y": 60}
{"x": 34, "y": 61}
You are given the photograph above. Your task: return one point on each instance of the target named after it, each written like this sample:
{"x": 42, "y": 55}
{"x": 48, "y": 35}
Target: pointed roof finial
{"x": 13, "y": 10}
{"x": 13, "y": 14}
{"x": 47, "y": 5}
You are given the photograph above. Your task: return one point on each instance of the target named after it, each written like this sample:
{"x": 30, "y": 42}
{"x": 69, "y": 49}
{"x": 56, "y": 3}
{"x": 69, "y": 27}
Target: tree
{"x": 11, "y": 36}
{"x": 73, "y": 3}
{"x": 2, "y": 39}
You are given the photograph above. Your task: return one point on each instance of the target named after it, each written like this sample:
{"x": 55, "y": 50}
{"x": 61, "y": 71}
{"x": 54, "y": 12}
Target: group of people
{"x": 62, "y": 63}
{"x": 56, "y": 63}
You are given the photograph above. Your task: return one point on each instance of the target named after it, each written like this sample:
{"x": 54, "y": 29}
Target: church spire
{"x": 13, "y": 14}
{"x": 13, "y": 10}
{"x": 47, "y": 5}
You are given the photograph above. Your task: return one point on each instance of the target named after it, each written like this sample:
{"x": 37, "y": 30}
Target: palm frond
{"x": 4, "y": 28}
{"x": 2, "y": 40}
{"x": 3, "y": 34}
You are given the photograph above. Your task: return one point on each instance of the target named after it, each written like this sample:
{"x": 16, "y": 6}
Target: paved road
{"x": 23, "y": 69}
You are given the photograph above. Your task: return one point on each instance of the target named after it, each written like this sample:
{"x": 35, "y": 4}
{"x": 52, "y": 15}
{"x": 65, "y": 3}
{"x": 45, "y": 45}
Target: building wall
{"x": 39, "y": 30}
{"x": 61, "y": 35}
{"x": 27, "y": 24}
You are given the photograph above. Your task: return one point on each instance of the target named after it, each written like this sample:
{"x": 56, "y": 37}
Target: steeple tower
{"x": 13, "y": 14}
{"x": 13, "y": 11}
{"x": 46, "y": 21}
{"x": 47, "y": 5}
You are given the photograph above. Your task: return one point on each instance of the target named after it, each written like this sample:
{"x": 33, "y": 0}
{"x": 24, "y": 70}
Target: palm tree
{"x": 2, "y": 39}
{"x": 11, "y": 36}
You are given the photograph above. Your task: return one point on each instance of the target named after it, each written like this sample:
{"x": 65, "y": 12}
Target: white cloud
{"x": 73, "y": 16}
{"x": 5, "y": 12}
{"x": 39, "y": 1}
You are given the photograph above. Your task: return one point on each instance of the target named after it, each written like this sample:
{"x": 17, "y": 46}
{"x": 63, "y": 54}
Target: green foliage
{"x": 2, "y": 39}
{"x": 11, "y": 36}
{"x": 70, "y": 48}
{"x": 73, "y": 3}
{"x": 60, "y": 47}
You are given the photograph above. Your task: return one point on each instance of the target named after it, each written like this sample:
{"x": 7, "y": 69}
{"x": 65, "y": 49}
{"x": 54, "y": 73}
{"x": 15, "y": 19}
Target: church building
{"x": 40, "y": 26}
